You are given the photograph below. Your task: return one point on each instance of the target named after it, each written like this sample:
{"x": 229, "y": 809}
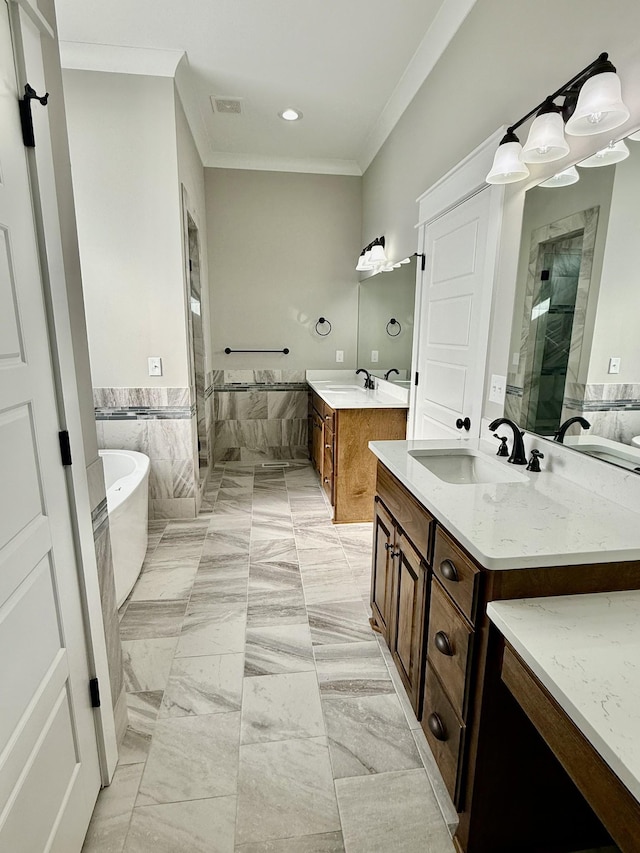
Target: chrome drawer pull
{"x": 443, "y": 644}
{"x": 449, "y": 571}
{"x": 437, "y": 727}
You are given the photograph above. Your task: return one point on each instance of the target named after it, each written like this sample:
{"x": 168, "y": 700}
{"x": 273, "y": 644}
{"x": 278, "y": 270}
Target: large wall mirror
{"x": 385, "y": 322}
{"x": 574, "y": 341}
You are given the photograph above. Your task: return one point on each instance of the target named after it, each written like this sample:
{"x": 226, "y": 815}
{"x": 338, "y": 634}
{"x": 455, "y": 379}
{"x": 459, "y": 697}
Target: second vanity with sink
{"x": 455, "y": 528}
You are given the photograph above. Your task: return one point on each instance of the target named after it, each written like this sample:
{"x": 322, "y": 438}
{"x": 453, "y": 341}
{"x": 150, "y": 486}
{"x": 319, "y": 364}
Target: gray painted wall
{"x": 282, "y": 252}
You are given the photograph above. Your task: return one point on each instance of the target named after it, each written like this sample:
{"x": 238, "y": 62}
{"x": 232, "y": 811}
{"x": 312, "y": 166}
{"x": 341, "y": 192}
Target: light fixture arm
{"x": 565, "y": 89}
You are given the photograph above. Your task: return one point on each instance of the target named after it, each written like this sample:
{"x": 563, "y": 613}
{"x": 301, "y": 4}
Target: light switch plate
{"x": 614, "y": 365}
{"x": 498, "y": 388}
{"x": 339, "y": 355}
{"x": 374, "y": 356}
{"x": 155, "y": 365}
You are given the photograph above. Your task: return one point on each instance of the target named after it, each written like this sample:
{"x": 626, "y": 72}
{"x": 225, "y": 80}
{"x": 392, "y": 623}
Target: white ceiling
{"x": 350, "y": 66}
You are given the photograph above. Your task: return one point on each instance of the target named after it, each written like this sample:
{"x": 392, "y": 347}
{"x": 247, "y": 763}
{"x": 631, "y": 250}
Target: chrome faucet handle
{"x": 534, "y": 462}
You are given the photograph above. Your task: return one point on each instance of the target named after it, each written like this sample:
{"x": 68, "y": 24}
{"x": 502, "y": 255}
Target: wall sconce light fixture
{"x": 592, "y": 104}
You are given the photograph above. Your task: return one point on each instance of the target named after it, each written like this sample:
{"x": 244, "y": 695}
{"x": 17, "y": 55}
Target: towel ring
{"x": 393, "y": 322}
{"x": 322, "y": 321}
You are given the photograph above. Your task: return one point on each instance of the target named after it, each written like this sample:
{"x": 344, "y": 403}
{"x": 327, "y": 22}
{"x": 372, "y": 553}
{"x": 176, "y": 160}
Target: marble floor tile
{"x": 151, "y": 619}
{"x": 275, "y": 608}
{"x": 267, "y": 531}
{"x": 277, "y": 649}
{"x": 191, "y": 758}
{"x": 322, "y": 584}
{"x": 233, "y": 507}
{"x": 318, "y": 536}
{"x": 165, "y": 583}
{"x": 111, "y": 816}
{"x": 147, "y": 663}
{"x": 326, "y": 842}
{"x": 218, "y": 586}
{"x": 226, "y": 543}
{"x": 319, "y": 556}
{"x": 352, "y": 669}
{"x": 218, "y": 630}
{"x": 339, "y": 622}
{"x": 226, "y": 522}
{"x": 412, "y": 720}
{"x": 449, "y": 814}
{"x": 281, "y": 707}
{"x": 197, "y": 826}
{"x": 285, "y": 789}
{"x": 368, "y": 734}
{"x": 143, "y": 710}
{"x": 391, "y": 811}
{"x": 172, "y": 555}
{"x": 209, "y": 684}
{"x": 276, "y": 550}
{"x": 275, "y": 576}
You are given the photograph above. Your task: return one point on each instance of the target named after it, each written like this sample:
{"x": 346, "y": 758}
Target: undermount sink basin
{"x": 344, "y": 389}
{"x": 465, "y": 467}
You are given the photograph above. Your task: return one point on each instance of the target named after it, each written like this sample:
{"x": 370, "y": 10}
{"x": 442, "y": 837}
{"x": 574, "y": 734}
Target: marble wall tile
{"x": 124, "y": 435}
{"x": 240, "y": 405}
{"x": 287, "y": 405}
{"x": 143, "y": 711}
{"x": 183, "y": 478}
{"x": 295, "y": 431}
{"x": 173, "y": 508}
{"x": 106, "y": 582}
{"x": 95, "y": 483}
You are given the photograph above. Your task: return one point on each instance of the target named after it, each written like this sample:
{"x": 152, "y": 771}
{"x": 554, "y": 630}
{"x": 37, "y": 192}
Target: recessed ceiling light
{"x": 290, "y": 114}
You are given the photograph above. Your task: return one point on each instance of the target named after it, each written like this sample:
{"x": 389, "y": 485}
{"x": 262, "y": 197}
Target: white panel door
{"x": 49, "y": 771}
{"x": 453, "y": 333}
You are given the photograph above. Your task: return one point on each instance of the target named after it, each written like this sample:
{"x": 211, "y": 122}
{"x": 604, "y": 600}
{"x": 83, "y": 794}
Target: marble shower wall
{"x": 102, "y": 545}
{"x": 612, "y": 409}
{"x": 257, "y": 414}
{"x": 160, "y": 422}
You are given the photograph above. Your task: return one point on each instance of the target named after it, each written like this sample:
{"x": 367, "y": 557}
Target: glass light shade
{"x": 634, "y": 137}
{"x": 386, "y": 267}
{"x": 546, "y": 141}
{"x": 362, "y": 264}
{"x": 613, "y": 153}
{"x": 563, "y": 179}
{"x": 600, "y": 106}
{"x": 377, "y": 255}
{"x": 507, "y": 165}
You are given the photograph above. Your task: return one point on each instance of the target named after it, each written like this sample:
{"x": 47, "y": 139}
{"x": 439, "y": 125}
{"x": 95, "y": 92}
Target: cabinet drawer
{"x": 457, "y": 573}
{"x": 449, "y": 646}
{"x": 408, "y": 513}
{"x": 317, "y": 403}
{"x": 444, "y": 732}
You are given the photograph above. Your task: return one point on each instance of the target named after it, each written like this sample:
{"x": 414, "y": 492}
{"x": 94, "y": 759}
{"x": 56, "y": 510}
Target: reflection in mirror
{"x": 384, "y": 345}
{"x": 574, "y": 351}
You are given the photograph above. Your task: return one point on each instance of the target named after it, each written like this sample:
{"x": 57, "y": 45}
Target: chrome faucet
{"x": 518, "y": 454}
{"x": 389, "y": 372}
{"x": 559, "y": 436}
{"x": 369, "y": 384}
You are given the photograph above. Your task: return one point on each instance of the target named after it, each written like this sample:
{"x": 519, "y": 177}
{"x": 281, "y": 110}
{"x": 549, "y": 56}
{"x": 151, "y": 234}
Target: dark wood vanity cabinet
{"x": 429, "y": 599}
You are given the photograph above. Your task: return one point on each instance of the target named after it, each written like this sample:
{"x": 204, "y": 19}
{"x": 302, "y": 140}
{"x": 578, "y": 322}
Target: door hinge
{"x": 190, "y": 265}
{"x": 65, "y": 447}
{"x": 94, "y": 692}
{"x": 417, "y": 375}
{"x": 545, "y": 275}
{"x": 26, "y": 120}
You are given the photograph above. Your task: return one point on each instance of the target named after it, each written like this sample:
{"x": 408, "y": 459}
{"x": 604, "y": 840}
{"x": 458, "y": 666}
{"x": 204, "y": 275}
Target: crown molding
{"x": 117, "y": 59}
{"x": 261, "y": 163}
{"x": 447, "y": 22}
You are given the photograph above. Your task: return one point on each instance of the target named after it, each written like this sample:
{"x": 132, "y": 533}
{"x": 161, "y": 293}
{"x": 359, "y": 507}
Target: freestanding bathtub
{"x": 126, "y": 475}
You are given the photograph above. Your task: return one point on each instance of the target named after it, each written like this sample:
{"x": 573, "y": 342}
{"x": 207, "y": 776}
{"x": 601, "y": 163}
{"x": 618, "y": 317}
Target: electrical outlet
{"x": 374, "y": 355}
{"x": 155, "y": 365}
{"x": 498, "y": 388}
{"x": 614, "y": 365}
{"x": 339, "y": 355}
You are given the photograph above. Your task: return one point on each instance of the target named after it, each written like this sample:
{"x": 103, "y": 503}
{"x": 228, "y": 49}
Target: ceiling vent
{"x": 227, "y": 106}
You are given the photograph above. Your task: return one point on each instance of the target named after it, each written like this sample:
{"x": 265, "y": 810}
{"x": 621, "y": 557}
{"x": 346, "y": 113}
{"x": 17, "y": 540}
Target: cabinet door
{"x": 382, "y": 568}
{"x": 409, "y": 614}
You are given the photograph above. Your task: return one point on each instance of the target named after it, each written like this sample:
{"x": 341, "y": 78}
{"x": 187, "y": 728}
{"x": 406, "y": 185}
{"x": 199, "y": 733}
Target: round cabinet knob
{"x": 326, "y": 479}
{"x": 327, "y": 446}
{"x": 449, "y": 571}
{"x": 437, "y": 727}
{"x": 443, "y": 644}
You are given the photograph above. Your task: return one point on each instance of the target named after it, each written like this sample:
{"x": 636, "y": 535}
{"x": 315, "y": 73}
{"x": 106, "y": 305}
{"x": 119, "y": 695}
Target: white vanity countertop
{"x": 345, "y": 394}
{"x": 585, "y": 649}
{"x": 545, "y": 520}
